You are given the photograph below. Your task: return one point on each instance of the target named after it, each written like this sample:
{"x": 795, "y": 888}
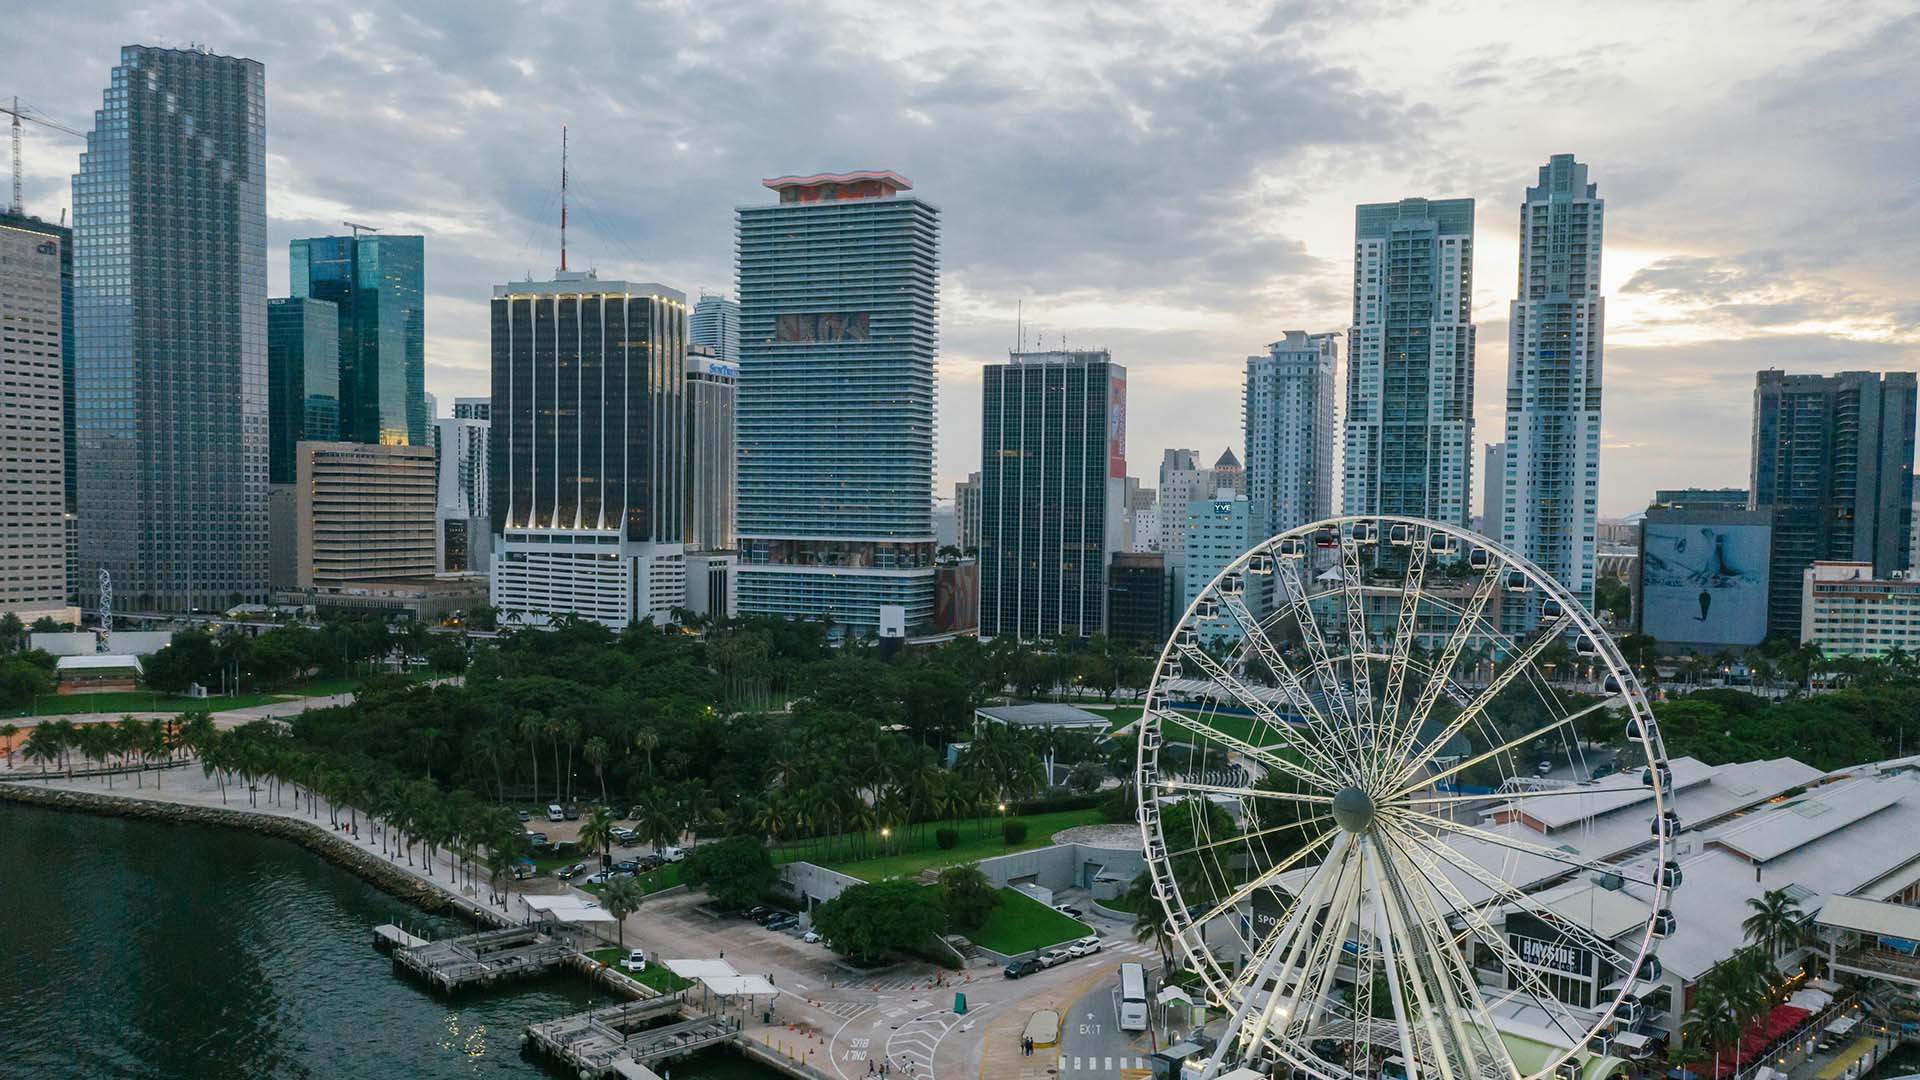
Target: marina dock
{"x": 625, "y": 1040}
{"x": 388, "y": 937}
{"x": 487, "y": 958}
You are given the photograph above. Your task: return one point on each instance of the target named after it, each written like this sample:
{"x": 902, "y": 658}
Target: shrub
{"x": 1015, "y": 832}
{"x": 1118, "y": 807}
{"x": 946, "y": 838}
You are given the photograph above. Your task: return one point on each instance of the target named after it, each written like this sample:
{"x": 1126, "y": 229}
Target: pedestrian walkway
{"x": 1102, "y": 1066}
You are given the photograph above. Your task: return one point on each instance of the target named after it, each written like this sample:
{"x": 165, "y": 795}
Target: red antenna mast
{"x": 563, "y": 197}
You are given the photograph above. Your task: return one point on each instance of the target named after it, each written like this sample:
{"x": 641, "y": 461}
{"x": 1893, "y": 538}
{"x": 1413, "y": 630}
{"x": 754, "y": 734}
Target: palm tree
{"x": 7, "y": 732}
{"x": 1777, "y": 923}
{"x": 44, "y": 746}
{"x": 647, "y": 741}
{"x": 532, "y": 725}
{"x": 596, "y": 754}
{"x": 656, "y": 821}
{"x": 1147, "y": 923}
{"x": 622, "y": 897}
{"x": 1715, "y": 1022}
{"x": 597, "y": 832}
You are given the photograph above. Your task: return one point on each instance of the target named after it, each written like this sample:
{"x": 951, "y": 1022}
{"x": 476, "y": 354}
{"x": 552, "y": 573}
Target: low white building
{"x": 1846, "y": 611}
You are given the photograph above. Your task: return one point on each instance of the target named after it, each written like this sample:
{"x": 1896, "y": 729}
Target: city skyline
{"x": 1719, "y": 262}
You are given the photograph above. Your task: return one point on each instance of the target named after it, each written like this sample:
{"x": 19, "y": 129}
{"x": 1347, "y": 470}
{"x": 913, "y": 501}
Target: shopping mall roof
{"x": 1870, "y": 917}
{"x": 1044, "y": 716}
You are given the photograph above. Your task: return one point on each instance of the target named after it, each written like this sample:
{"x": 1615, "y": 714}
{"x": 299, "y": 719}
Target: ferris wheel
{"x": 1381, "y": 813}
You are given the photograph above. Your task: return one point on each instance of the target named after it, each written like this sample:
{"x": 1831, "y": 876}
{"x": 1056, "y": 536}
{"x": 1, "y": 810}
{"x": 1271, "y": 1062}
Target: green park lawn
{"x": 918, "y": 849}
{"x": 657, "y": 975}
{"x": 1022, "y": 924}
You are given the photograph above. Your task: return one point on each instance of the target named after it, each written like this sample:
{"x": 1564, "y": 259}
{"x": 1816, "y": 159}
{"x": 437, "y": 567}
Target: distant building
{"x": 1493, "y": 478}
{"x": 587, "y": 472}
{"x": 711, "y": 451}
{"x": 1218, "y": 531}
{"x": 362, "y": 513}
{"x": 715, "y": 323}
{"x": 303, "y": 380}
{"x": 1847, "y": 611}
{"x": 1142, "y": 529}
{"x": 170, "y": 318}
{"x": 1052, "y": 495}
{"x": 1692, "y": 497}
{"x": 1409, "y": 418}
{"x": 377, "y": 281}
{"x": 710, "y": 584}
{"x": 839, "y": 287}
{"x": 966, "y": 513}
{"x": 63, "y": 236}
{"x": 1137, "y": 599}
{"x": 472, "y": 408}
{"x": 462, "y": 523}
{"x": 33, "y": 348}
{"x": 1704, "y": 576}
{"x": 1556, "y": 326}
{"x": 1833, "y": 458}
{"x": 1288, "y": 405}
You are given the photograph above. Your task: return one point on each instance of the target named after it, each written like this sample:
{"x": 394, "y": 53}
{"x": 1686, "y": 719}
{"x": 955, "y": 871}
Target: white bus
{"x": 1133, "y": 998}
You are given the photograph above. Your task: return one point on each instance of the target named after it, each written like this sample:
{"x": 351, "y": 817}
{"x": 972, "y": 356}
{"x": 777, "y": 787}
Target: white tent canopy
{"x": 721, "y": 979}
{"x": 567, "y": 909}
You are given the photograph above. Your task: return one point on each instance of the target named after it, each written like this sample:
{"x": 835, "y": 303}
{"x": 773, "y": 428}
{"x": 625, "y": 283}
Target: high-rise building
{"x": 966, "y": 512}
{"x": 472, "y": 408}
{"x": 1137, "y": 599}
{"x": 587, "y": 459}
{"x": 63, "y": 236}
{"x": 1846, "y": 611}
{"x": 1833, "y": 458}
{"x": 33, "y": 512}
{"x": 711, "y": 453}
{"x": 1052, "y": 492}
{"x": 839, "y": 287}
{"x": 303, "y": 380}
{"x": 1218, "y": 531}
{"x": 170, "y": 320}
{"x": 716, "y": 324}
{"x": 1493, "y": 480}
{"x": 1690, "y": 497}
{"x": 1181, "y": 480}
{"x": 1556, "y": 326}
{"x": 362, "y": 513}
{"x": 1409, "y": 426}
{"x": 378, "y": 282}
{"x": 1288, "y": 408}
{"x": 462, "y": 529}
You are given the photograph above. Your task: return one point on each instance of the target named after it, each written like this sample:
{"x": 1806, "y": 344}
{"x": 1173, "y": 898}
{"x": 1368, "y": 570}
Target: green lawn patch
{"x": 918, "y": 850}
{"x": 1022, "y": 924}
{"x": 658, "y": 976}
{"x": 1118, "y": 715}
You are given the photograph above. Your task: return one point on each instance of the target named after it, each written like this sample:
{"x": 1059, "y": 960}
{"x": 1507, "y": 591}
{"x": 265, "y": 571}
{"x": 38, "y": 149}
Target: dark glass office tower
{"x": 379, "y": 284}
{"x": 170, "y": 321}
{"x": 303, "y": 378}
{"x": 1833, "y": 458}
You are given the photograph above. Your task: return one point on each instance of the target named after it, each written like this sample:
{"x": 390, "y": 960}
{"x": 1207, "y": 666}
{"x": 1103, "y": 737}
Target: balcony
{"x": 1878, "y": 963}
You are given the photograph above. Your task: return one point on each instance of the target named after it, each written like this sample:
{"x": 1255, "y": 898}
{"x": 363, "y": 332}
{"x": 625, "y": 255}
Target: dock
{"x": 388, "y": 937}
{"x": 624, "y": 1040}
{"x": 484, "y": 959}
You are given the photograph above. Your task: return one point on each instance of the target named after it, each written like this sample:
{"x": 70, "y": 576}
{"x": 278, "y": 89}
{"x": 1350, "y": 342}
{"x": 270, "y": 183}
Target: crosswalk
{"x": 1102, "y": 1066}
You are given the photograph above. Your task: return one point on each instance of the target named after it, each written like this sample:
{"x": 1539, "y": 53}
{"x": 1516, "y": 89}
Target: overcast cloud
{"x": 1174, "y": 182}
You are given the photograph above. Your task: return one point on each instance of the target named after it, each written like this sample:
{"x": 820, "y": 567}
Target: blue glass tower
{"x": 839, "y": 287}
{"x": 303, "y": 378}
{"x": 378, "y": 282}
{"x": 170, "y": 321}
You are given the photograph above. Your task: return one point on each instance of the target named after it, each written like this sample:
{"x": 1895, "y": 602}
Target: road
{"x": 1091, "y": 1042}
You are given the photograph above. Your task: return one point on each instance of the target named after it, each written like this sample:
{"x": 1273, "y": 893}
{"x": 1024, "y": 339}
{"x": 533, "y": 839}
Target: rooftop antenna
{"x": 358, "y": 228}
{"x": 563, "y": 198}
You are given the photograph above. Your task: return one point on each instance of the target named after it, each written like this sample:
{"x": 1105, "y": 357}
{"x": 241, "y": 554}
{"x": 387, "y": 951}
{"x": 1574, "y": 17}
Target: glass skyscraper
{"x": 303, "y": 380}
{"x": 378, "y": 281}
{"x": 839, "y": 286}
{"x": 716, "y": 324}
{"x": 1289, "y": 420}
{"x": 1551, "y": 490}
{"x": 1053, "y": 454}
{"x": 170, "y": 320}
{"x": 1410, "y": 361}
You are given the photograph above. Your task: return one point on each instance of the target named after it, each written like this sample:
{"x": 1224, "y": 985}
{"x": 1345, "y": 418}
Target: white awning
{"x": 740, "y": 985}
{"x": 701, "y": 969}
{"x": 1632, "y": 1040}
{"x": 1865, "y": 916}
{"x": 567, "y": 909}
{"x": 1843, "y": 1025}
{"x": 1170, "y": 994}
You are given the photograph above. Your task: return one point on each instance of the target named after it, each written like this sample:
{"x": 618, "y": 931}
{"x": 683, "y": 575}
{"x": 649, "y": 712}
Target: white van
{"x": 555, "y": 813}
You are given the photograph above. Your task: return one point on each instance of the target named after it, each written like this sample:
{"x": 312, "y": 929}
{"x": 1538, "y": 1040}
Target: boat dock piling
{"x": 483, "y": 959}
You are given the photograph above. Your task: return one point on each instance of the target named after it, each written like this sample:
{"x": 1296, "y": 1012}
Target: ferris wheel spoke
{"x": 1430, "y": 943}
{"x": 1358, "y": 672}
{"x": 1241, "y": 838}
{"x": 1261, "y": 710}
{"x": 1522, "y": 973}
{"x": 1195, "y": 787}
{"x": 1545, "y": 729}
{"x": 1409, "y": 961}
{"x": 1508, "y": 894}
{"x": 1308, "y": 624}
{"x": 1487, "y": 836}
{"x": 1405, "y": 629}
{"x": 1502, "y": 797}
{"x": 1323, "y": 964}
{"x": 1506, "y": 675}
{"x": 1440, "y": 674}
{"x": 1261, "y": 880}
{"x": 1304, "y": 948}
{"x": 1291, "y": 685}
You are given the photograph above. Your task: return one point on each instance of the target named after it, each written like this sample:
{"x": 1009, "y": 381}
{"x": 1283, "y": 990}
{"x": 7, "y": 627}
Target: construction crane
{"x": 18, "y": 205}
{"x": 359, "y": 228}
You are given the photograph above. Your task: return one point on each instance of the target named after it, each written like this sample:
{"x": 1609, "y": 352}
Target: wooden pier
{"x": 611, "y": 1041}
{"x": 388, "y": 937}
{"x": 484, "y": 959}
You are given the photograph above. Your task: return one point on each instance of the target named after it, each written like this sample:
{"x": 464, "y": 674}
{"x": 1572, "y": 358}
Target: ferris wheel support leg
{"x": 1402, "y": 901}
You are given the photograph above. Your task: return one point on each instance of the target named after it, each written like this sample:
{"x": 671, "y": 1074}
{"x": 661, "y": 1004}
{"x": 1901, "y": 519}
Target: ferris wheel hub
{"x": 1353, "y": 810}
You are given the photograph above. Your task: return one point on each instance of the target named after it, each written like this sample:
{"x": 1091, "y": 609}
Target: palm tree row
{"x": 125, "y": 745}
{"x": 1739, "y": 990}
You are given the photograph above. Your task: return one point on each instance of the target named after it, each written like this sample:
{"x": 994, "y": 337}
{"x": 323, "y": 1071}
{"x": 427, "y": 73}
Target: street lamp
{"x": 885, "y": 832}
{"x": 1003, "y": 824}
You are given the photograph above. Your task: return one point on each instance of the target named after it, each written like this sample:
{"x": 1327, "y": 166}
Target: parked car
{"x": 1605, "y": 769}
{"x": 783, "y": 922}
{"x": 1068, "y": 910}
{"x": 572, "y": 812}
{"x": 554, "y": 813}
{"x": 524, "y": 816}
{"x": 571, "y": 872}
{"x": 672, "y": 854}
{"x": 635, "y": 960}
{"x": 1544, "y": 767}
{"x": 523, "y": 869}
{"x": 649, "y": 861}
{"x": 811, "y": 937}
{"x": 1054, "y": 957}
{"x": 623, "y": 835}
{"x": 537, "y": 839}
{"x": 774, "y": 913}
{"x": 1024, "y": 966}
{"x": 756, "y": 912}
{"x": 1086, "y": 946}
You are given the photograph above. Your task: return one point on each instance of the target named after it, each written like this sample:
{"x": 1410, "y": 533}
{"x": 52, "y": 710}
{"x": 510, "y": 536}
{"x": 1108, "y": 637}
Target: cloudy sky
{"x": 1174, "y": 182}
